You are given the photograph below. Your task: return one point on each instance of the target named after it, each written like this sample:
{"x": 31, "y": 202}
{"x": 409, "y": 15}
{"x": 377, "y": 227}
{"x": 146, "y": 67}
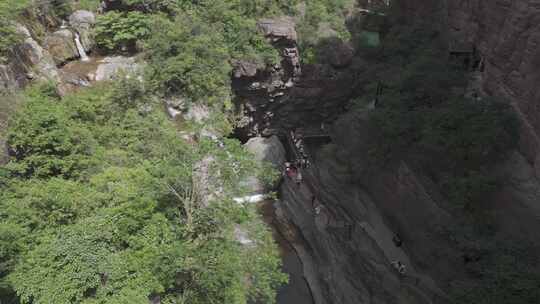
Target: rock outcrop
{"x": 266, "y": 150}
{"x": 344, "y": 241}
{"x": 61, "y": 45}
{"x": 112, "y": 67}
{"x": 278, "y": 29}
{"x": 289, "y": 95}
{"x": 27, "y": 61}
{"x": 503, "y": 38}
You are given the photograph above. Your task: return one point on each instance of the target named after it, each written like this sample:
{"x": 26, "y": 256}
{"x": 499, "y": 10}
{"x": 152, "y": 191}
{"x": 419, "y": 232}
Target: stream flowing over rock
{"x": 82, "y": 22}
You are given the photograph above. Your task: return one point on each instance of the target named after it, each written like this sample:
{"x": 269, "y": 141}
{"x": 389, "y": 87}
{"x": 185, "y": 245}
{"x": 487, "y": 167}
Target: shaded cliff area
{"x": 423, "y": 147}
{"x": 418, "y": 119}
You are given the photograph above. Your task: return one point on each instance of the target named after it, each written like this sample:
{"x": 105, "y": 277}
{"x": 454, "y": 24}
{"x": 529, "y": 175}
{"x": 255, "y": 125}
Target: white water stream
{"x": 80, "y": 48}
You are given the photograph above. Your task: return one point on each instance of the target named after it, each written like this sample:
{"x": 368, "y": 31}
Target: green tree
{"x": 121, "y": 31}
{"x": 188, "y": 57}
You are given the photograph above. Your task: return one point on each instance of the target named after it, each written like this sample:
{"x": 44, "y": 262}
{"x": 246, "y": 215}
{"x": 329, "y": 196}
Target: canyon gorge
{"x": 346, "y": 228}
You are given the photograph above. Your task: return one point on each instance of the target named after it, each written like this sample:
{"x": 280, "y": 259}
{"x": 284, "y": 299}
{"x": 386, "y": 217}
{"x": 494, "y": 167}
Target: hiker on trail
{"x": 302, "y": 162}
{"x": 299, "y": 178}
{"x": 290, "y": 170}
{"x": 307, "y": 163}
{"x": 400, "y": 267}
{"x": 299, "y": 143}
{"x": 397, "y": 240}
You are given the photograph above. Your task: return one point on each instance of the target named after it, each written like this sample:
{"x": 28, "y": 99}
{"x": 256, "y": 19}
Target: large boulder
{"x": 113, "y": 67}
{"x": 61, "y": 45}
{"x": 83, "y": 21}
{"x": 244, "y": 68}
{"x": 12, "y": 76}
{"x": 27, "y": 61}
{"x": 198, "y": 113}
{"x": 278, "y": 28}
{"x": 32, "y": 54}
{"x": 265, "y": 149}
{"x": 269, "y": 149}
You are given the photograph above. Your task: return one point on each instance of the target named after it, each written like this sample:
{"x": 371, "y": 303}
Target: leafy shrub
{"x": 89, "y": 5}
{"x": 322, "y": 19}
{"x": 44, "y": 141}
{"x": 108, "y": 228}
{"x": 189, "y": 57}
{"x": 121, "y": 31}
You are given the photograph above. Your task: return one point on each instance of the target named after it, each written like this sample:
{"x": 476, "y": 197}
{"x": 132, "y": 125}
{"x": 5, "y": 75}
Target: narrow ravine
{"x": 297, "y": 290}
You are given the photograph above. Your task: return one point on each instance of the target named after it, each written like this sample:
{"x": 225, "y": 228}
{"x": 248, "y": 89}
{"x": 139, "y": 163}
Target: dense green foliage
{"x": 319, "y": 20}
{"x": 500, "y": 270}
{"x": 100, "y": 206}
{"x": 116, "y": 30}
{"x": 191, "y": 51}
{"x": 196, "y": 65}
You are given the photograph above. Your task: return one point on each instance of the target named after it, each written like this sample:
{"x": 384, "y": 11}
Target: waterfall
{"x": 80, "y": 48}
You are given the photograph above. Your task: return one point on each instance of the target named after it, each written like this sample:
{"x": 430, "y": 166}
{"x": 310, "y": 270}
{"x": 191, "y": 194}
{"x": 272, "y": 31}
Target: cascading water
{"x": 80, "y": 48}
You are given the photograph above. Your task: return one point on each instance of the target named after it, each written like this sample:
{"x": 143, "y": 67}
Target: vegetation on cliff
{"x": 99, "y": 201}
{"x": 93, "y": 208}
{"x": 426, "y": 116}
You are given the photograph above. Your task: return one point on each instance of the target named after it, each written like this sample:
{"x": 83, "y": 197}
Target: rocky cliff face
{"x": 39, "y": 58}
{"x": 288, "y": 95}
{"x": 505, "y": 35}
{"x": 337, "y": 228}
{"x": 345, "y": 244}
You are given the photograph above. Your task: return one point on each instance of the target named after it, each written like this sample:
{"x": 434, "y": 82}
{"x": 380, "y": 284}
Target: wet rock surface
{"x": 61, "y": 45}
{"x": 82, "y": 22}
